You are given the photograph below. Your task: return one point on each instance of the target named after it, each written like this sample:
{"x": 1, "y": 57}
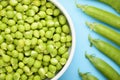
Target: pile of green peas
{"x": 34, "y": 40}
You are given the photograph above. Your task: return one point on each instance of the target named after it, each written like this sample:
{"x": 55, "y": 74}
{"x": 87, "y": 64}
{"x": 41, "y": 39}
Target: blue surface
{"x": 82, "y": 43}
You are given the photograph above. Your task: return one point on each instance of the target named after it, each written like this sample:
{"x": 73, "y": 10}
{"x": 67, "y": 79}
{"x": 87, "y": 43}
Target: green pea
{"x": 63, "y": 39}
{"x": 37, "y": 64}
{"x": 13, "y": 2}
{"x": 21, "y": 43}
{"x": 9, "y": 7}
{"x": 9, "y": 69}
{"x": 36, "y": 17}
{"x": 4, "y": 46}
{"x": 52, "y": 68}
{"x": 25, "y": 60}
{"x": 18, "y": 35}
{"x": 27, "y": 26}
{"x": 36, "y": 33}
{"x": 43, "y": 8}
{"x": 29, "y": 19}
{"x": 65, "y": 55}
{"x": 34, "y": 25}
{"x": 37, "y": 77}
{"x": 6, "y": 58}
{"x": 58, "y": 66}
{"x": 24, "y": 77}
{"x": 10, "y": 47}
{"x": 41, "y": 33}
{"x": 11, "y": 22}
{"x": 36, "y": 3}
{"x": 53, "y": 53}
{"x": 26, "y": 2}
{"x": 20, "y": 71}
{"x": 62, "y": 49}
{"x": 34, "y": 41}
{"x": 33, "y": 69}
{"x": 3, "y": 12}
{"x": 56, "y": 37}
{"x": 19, "y": 7}
{"x": 58, "y": 30}
{"x": 21, "y": 28}
{"x": 27, "y": 42}
{"x": 27, "y": 53}
{"x": 28, "y": 34}
{"x": 46, "y": 58}
{"x": 50, "y": 23}
{"x": 54, "y": 61}
{"x": 63, "y": 61}
{"x": 14, "y": 28}
{"x": 3, "y": 26}
{"x": 30, "y": 12}
{"x": 34, "y": 54}
{"x": 40, "y": 56}
{"x": 10, "y": 14}
{"x": 43, "y": 22}
{"x": 62, "y": 19}
{"x": 16, "y": 76}
{"x": 65, "y": 29}
{"x": 9, "y": 38}
{"x": 42, "y": 14}
{"x": 4, "y": 3}
{"x": 56, "y": 12}
{"x": 49, "y": 11}
{"x": 31, "y": 61}
{"x": 26, "y": 69}
{"x": 50, "y": 47}
{"x": 15, "y": 53}
{"x": 35, "y": 8}
{"x": 20, "y": 56}
{"x": 48, "y": 34}
{"x": 50, "y": 74}
{"x": 21, "y": 64}
{"x": 5, "y": 20}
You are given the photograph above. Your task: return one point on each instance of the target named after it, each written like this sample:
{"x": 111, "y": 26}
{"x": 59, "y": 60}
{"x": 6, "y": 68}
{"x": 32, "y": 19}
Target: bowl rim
{"x": 59, "y": 74}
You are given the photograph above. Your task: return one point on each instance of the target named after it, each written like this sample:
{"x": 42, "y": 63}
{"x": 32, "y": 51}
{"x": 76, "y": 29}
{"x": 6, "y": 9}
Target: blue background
{"x": 82, "y": 43}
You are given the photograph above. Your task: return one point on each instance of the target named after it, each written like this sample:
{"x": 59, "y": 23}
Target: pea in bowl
{"x": 37, "y": 40}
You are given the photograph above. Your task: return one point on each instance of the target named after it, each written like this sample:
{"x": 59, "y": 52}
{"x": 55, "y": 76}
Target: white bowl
{"x": 71, "y": 52}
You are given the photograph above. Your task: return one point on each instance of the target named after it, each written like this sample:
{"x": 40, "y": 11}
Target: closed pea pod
{"x": 103, "y": 67}
{"x": 108, "y": 32}
{"x": 109, "y": 50}
{"x": 101, "y": 15}
{"x": 87, "y": 76}
{"x": 110, "y": 3}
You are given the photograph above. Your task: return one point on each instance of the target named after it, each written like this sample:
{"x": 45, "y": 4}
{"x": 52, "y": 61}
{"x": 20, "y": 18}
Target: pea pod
{"x": 113, "y": 3}
{"x": 108, "y": 32}
{"x": 87, "y": 76}
{"x": 103, "y": 67}
{"x": 109, "y": 50}
{"x": 101, "y": 15}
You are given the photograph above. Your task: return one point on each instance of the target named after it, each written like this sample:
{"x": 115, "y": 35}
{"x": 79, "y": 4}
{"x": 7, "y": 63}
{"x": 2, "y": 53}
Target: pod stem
{"x": 91, "y": 25}
{"x": 91, "y": 40}
{"x": 82, "y": 7}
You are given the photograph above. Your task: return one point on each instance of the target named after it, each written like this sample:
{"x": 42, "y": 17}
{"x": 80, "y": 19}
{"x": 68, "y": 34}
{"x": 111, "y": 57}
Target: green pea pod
{"x": 102, "y": 15}
{"x": 87, "y": 76}
{"x": 106, "y": 48}
{"x": 108, "y": 32}
{"x": 103, "y": 67}
{"x": 113, "y": 3}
